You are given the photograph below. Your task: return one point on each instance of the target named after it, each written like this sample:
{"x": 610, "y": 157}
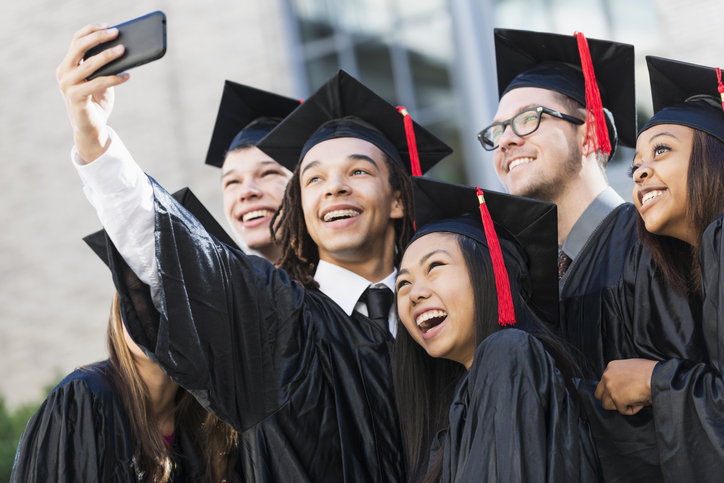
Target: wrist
{"x": 91, "y": 146}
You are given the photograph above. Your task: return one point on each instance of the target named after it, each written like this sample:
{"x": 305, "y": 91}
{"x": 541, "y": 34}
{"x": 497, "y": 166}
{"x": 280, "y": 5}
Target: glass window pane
{"x": 316, "y": 19}
{"x": 452, "y": 168}
{"x": 321, "y": 69}
{"x": 412, "y": 9}
{"x": 375, "y": 69}
{"x": 430, "y": 53}
{"x": 371, "y": 17}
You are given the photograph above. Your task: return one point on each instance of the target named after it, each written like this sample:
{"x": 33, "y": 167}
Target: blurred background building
{"x": 433, "y": 56}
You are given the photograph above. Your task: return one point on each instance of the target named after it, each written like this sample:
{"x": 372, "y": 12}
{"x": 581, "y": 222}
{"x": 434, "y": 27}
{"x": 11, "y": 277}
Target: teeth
{"x": 430, "y": 314}
{"x": 651, "y": 195}
{"x": 518, "y": 162}
{"x": 334, "y": 215}
{"x": 256, "y": 214}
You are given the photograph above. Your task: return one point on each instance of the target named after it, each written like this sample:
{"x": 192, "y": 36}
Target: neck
{"x": 578, "y": 195}
{"x": 162, "y": 393}
{"x": 270, "y": 252}
{"x": 373, "y": 262}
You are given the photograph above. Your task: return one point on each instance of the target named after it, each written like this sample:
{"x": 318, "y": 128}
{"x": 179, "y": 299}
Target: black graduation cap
{"x": 97, "y": 241}
{"x": 553, "y": 61}
{"x": 527, "y": 230}
{"x": 245, "y": 116}
{"x": 686, "y": 94}
{"x": 343, "y": 107}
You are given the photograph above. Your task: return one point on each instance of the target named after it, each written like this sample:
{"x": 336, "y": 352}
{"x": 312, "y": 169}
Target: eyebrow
{"x": 350, "y": 158}
{"x": 656, "y": 136}
{"x": 521, "y": 109}
{"x": 259, "y": 163}
{"x": 422, "y": 261}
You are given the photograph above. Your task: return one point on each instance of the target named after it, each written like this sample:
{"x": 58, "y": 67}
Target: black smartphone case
{"x": 144, "y": 39}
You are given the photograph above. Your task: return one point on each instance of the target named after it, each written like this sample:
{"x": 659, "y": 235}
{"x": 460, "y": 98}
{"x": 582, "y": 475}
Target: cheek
{"x": 229, "y": 199}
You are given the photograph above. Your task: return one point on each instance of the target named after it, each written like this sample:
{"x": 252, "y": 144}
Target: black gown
{"x": 309, "y": 388}
{"x": 687, "y": 387}
{"x": 590, "y": 278}
{"x": 513, "y": 419}
{"x": 80, "y": 433}
{"x": 614, "y": 306}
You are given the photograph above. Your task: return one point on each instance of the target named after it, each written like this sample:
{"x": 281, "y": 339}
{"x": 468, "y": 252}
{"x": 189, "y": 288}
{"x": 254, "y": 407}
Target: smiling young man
{"x": 551, "y": 143}
{"x": 303, "y": 374}
{"x": 252, "y": 183}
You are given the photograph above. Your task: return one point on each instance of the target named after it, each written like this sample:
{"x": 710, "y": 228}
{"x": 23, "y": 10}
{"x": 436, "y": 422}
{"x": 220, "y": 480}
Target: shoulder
{"x": 506, "y": 349}
{"x": 92, "y": 378}
{"x": 509, "y": 365}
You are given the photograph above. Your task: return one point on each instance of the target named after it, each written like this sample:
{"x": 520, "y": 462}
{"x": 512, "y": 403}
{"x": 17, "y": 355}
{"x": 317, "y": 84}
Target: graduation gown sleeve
{"x": 231, "y": 330}
{"x": 688, "y": 396}
{"x": 514, "y": 420}
{"x": 308, "y": 387}
{"x": 78, "y": 434}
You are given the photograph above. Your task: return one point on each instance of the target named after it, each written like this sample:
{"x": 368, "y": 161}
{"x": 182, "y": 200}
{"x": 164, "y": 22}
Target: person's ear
{"x": 398, "y": 209}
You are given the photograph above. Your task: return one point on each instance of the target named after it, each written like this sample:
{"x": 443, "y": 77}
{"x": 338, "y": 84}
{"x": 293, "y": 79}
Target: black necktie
{"x": 378, "y": 301}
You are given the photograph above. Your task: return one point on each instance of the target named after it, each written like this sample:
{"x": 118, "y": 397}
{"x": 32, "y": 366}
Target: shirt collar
{"x": 346, "y": 287}
{"x": 596, "y": 212}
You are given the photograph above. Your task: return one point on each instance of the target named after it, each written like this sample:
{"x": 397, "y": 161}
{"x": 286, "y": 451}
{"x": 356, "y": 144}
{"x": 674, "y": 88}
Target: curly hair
{"x": 300, "y": 255}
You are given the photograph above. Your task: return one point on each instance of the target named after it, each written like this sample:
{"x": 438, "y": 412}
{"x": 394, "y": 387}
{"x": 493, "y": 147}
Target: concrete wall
{"x": 54, "y": 293}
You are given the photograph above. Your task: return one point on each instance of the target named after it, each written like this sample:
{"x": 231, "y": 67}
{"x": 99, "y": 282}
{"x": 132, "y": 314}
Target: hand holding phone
{"x": 144, "y": 39}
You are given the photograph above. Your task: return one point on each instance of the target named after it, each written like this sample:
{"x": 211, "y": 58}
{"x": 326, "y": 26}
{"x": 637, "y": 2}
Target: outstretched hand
{"x": 626, "y": 385}
{"x": 89, "y": 103}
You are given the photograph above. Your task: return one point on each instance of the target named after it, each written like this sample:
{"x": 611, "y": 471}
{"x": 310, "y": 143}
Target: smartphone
{"x": 144, "y": 39}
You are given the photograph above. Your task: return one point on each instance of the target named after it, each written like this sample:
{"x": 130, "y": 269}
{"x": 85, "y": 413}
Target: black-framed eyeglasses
{"x": 523, "y": 124}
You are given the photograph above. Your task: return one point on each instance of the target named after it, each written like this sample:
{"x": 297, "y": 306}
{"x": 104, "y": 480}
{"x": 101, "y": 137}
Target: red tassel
{"x": 506, "y": 313}
{"x": 721, "y": 86}
{"x": 595, "y": 118}
{"x": 411, "y": 143}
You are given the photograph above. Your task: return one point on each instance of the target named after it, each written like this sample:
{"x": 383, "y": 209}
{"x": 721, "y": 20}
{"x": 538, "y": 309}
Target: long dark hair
{"x": 677, "y": 261}
{"x": 216, "y": 441}
{"x": 425, "y": 386}
{"x": 300, "y": 254}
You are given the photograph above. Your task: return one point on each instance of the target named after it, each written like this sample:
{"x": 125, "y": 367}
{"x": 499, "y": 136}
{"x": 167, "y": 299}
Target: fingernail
{"x": 104, "y": 25}
{"x": 112, "y": 31}
{"x": 117, "y": 48}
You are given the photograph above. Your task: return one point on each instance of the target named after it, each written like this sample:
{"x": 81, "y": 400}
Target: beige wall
{"x": 54, "y": 293}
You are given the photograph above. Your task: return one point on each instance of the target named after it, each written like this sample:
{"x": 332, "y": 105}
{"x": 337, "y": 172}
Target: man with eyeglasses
{"x": 552, "y": 137}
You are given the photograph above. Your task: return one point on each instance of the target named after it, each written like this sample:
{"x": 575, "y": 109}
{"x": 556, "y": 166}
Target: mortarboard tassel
{"x": 506, "y": 313}
{"x": 721, "y": 86}
{"x": 594, "y": 105}
{"x": 411, "y": 143}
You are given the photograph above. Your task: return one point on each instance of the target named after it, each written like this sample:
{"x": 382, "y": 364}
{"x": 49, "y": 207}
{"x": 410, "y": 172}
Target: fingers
{"x": 72, "y": 82}
{"x": 98, "y": 84}
{"x": 83, "y": 40}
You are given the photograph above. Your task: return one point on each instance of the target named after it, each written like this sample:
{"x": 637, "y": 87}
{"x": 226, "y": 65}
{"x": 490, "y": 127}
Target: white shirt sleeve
{"x": 122, "y": 195}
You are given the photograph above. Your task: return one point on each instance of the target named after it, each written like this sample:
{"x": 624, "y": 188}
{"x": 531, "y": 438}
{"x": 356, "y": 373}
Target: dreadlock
{"x": 300, "y": 254}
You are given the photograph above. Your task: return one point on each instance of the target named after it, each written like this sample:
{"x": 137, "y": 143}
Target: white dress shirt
{"x": 346, "y": 288}
{"x": 122, "y": 195}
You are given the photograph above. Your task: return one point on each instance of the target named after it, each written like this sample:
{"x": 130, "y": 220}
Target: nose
{"x": 337, "y": 185}
{"x": 642, "y": 173}
{"x": 419, "y": 292}
{"x": 509, "y": 139}
{"x": 250, "y": 190}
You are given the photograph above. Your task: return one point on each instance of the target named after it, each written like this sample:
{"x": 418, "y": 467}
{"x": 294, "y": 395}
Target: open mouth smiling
{"x": 337, "y": 215}
{"x": 430, "y": 319}
{"x": 255, "y": 215}
{"x": 651, "y": 195}
{"x": 517, "y": 162}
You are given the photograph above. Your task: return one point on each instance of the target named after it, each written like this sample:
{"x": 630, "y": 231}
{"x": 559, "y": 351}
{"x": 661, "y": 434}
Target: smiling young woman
{"x": 495, "y": 377}
{"x": 677, "y": 365}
